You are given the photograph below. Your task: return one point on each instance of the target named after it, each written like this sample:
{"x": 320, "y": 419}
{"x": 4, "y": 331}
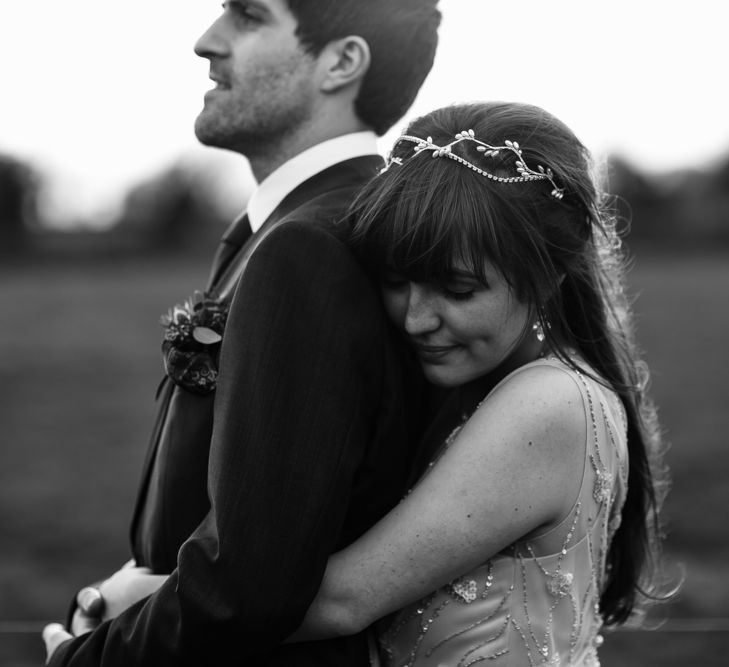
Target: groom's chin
{"x": 211, "y": 132}
{"x": 205, "y": 131}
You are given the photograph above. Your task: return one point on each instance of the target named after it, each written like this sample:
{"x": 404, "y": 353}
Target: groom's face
{"x": 265, "y": 84}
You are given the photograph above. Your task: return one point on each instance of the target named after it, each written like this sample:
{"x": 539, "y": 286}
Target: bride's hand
{"x": 127, "y": 586}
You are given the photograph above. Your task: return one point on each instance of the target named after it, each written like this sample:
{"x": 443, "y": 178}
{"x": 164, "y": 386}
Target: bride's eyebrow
{"x": 467, "y": 277}
{"x": 462, "y": 274}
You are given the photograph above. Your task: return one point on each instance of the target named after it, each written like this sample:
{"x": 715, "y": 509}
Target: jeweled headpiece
{"x": 525, "y": 173}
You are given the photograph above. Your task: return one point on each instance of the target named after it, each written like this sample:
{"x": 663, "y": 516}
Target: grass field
{"x": 79, "y": 365}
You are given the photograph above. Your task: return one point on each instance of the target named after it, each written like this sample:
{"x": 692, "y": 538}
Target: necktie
{"x": 232, "y": 241}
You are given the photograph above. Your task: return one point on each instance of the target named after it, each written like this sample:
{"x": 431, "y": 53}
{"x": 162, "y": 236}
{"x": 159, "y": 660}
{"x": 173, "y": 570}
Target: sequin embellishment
{"x": 464, "y": 590}
{"x": 603, "y": 482}
{"x": 560, "y": 584}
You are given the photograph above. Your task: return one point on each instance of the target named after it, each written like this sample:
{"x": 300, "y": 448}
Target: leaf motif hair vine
{"x": 524, "y": 172}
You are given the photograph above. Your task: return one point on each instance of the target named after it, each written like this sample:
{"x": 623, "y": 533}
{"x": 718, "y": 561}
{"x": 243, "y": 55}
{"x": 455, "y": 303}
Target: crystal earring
{"x": 538, "y": 331}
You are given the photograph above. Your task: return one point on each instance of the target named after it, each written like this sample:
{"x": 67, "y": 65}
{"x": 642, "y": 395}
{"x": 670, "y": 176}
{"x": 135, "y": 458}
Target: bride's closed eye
{"x": 393, "y": 281}
{"x": 461, "y": 287}
{"x": 457, "y": 293}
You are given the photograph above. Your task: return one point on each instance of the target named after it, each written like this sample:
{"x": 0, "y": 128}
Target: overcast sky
{"x": 100, "y": 94}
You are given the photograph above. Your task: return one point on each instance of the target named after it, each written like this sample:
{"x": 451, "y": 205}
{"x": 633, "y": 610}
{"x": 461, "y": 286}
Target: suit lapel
{"x": 232, "y": 241}
{"x": 348, "y": 174}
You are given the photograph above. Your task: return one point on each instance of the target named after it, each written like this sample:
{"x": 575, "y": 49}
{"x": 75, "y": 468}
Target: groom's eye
{"x": 241, "y": 10}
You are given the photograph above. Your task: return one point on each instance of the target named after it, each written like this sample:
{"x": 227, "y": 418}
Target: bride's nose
{"x": 421, "y": 316}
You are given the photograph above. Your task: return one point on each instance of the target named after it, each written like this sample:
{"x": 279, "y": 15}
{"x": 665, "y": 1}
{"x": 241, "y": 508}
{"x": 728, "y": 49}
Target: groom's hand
{"x": 54, "y": 634}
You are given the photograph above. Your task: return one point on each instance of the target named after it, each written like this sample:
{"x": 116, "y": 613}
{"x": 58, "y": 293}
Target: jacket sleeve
{"x": 296, "y": 403}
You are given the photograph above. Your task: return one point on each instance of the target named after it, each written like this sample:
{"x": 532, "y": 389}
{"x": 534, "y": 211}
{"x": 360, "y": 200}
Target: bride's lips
{"x": 433, "y": 352}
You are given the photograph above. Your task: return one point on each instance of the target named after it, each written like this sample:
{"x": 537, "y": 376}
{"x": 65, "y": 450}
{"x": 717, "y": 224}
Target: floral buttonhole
{"x": 191, "y": 345}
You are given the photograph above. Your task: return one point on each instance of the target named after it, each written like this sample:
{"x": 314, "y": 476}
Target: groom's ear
{"x": 345, "y": 62}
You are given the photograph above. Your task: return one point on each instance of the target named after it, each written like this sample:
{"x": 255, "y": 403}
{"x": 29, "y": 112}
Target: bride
{"x": 534, "y": 523}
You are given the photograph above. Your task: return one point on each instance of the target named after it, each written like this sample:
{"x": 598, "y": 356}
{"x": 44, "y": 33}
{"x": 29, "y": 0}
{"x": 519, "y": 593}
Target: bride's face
{"x": 461, "y": 329}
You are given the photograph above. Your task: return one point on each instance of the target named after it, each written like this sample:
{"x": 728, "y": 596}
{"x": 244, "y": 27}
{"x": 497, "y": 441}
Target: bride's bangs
{"x": 427, "y": 220}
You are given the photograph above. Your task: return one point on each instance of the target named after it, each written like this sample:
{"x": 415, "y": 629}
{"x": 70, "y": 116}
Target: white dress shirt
{"x": 272, "y": 190}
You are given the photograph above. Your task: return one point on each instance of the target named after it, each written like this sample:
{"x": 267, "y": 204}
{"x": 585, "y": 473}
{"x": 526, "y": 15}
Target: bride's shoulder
{"x": 550, "y": 375}
{"x": 534, "y": 423}
{"x": 546, "y": 394}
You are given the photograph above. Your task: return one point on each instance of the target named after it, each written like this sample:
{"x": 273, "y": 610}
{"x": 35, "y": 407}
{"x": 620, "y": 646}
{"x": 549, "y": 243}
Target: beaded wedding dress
{"x": 537, "y": 602}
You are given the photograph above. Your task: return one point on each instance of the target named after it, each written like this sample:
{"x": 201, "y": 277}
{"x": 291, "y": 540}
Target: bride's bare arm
{"x": 515, "y": 467}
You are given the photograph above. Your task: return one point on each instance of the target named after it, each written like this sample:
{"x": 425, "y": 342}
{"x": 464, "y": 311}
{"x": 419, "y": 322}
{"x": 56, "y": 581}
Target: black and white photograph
{"x": 364, "y": 333}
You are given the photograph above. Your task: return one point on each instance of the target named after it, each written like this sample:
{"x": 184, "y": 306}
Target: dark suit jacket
{"x": 313, "y": 425}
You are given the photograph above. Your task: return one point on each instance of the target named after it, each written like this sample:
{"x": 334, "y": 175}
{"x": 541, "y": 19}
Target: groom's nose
{"x": 212, "y": 42}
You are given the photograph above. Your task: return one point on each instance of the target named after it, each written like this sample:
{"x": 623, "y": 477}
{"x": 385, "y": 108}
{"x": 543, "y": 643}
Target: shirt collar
{"x": 279, "y": 183}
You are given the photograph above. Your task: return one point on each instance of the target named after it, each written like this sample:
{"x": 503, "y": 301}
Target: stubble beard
{"x": 257, "y": 127}
{"x": 233, "y": 132}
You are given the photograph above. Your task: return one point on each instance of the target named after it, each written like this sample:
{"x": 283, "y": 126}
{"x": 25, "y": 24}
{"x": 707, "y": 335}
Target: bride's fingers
{"x": 82, "y": 623}
{"x": 90, "y": 601}
{"x": 54, "y": 634}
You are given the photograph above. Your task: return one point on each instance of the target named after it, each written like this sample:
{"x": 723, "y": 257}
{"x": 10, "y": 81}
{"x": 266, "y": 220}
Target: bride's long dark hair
{"x": 561, "y": 256}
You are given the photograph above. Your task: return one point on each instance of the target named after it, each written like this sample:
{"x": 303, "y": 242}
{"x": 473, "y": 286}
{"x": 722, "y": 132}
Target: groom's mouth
{"x": 221, "y": 83}
{"x": 220, "y": 87}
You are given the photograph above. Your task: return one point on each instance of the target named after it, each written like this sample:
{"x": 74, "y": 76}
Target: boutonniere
{"x": 191, "y": 345}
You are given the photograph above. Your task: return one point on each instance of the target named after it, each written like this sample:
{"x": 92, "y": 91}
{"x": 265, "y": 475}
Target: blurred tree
{"x": 713, "y": 194}
{"x": 174, "y": 210}
{"x": 702, "y": 207}
{"x": 720, "y": 180}
{"x": 639, "y": 200}
{"x": 686, "y": 208}
{"x": 19, "y": 187}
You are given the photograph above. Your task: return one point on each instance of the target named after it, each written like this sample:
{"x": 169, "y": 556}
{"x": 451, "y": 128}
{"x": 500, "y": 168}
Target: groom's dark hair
{"x": 402, "y": 36}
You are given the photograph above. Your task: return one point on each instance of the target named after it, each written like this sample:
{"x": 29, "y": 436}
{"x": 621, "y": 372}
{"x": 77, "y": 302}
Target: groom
{"x": 307, "y": 437}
